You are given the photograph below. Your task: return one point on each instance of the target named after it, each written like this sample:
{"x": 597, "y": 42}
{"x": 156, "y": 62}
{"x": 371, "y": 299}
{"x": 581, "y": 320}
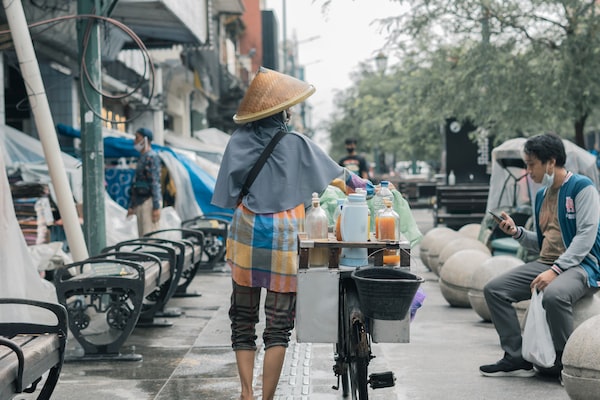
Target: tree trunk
{"x": 579, "y": 126}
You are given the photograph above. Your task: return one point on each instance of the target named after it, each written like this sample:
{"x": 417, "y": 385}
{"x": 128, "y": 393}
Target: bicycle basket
{"x": 385, "y": 293}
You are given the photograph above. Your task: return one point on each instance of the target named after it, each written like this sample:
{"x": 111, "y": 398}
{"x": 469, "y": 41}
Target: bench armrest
{"x": 199, "y": 235}
{"x": 219, "y": 216}
{"x": 21, "y": 360}
{"x": 15, "y": 328}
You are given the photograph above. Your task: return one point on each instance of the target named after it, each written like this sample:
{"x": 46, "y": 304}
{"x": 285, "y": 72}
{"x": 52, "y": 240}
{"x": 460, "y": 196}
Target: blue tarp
{"x": 203, "y": 184}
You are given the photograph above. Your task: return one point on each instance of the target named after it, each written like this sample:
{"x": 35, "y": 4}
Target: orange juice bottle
{"x": 388, "y": 223}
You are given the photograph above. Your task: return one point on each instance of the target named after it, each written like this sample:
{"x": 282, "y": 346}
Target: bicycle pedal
{"x": 382, "y": 380}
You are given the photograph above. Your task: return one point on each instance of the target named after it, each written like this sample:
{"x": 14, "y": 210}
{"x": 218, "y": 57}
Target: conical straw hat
{"x": 271, "y": 92}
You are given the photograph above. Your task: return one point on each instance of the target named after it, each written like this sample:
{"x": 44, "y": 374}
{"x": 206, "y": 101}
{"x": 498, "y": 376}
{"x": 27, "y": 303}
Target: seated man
{"x": 567, "y": 213}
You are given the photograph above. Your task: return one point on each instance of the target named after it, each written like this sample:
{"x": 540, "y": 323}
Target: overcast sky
{"x": 346, "y": 37}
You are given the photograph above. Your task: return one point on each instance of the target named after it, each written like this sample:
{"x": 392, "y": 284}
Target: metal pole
{"x": 45, "y": 126}
{"x": 92, "y": 149}
{"x": 158, "y": 112}
{"x": 2, "y": 99}
{"x": 285, "y": 47}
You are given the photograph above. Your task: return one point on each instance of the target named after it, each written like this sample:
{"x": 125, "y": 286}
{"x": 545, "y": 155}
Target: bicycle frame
{"x": 353, "y": 349}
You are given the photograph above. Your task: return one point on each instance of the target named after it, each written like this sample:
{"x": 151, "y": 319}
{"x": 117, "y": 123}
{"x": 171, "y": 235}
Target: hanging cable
{"x": 147, "y": 70}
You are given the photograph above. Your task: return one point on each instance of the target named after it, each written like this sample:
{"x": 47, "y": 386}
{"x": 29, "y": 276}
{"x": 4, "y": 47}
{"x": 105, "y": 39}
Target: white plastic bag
{"x": 538, "y": 347}
{"x": 169, "y": 219}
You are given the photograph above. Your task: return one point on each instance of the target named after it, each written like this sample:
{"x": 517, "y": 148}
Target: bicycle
{"x": 353, "y": 348}
{"x": 352, "y": 341}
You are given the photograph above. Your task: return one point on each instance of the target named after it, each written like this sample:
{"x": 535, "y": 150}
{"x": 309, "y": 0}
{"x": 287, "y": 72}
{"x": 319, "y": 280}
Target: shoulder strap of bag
{"x": 261, "y": 161}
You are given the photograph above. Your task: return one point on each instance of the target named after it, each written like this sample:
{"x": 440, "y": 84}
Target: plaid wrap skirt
{"x": 262, "y": 249}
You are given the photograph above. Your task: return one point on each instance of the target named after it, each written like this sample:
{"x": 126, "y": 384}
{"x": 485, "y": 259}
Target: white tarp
{"x": 213, "y": 136}
{"x": 207, "y": 156}
{"x": 510, "y": 186}
{"x": 20, "y": 277}
{"x": 25, "y": 153}
{"x": 185, "y": 202}
{"x": 211, "y": 151}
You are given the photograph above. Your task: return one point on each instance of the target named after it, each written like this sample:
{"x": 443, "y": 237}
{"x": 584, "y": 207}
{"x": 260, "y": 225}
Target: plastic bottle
{"x": 388, "y": 224}
{"x": 354, "y": 226}
{"x": 316, "y": 223}
{"x": 364, "y": 192}
{"x": 379, "y": 203}
{"x": 337, "y": 216}
{"x": 451, "y": 178}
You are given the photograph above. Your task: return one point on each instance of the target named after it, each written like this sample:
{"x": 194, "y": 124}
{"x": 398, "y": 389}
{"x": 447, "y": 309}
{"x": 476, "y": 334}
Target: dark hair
{"x": 545, "y": 147}
{"x": 351, "y": 141}
{"x": 146, "y": 133}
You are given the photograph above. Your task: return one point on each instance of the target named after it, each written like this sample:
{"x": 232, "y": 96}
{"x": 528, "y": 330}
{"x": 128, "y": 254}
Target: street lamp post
{"x": 381, "y": 64}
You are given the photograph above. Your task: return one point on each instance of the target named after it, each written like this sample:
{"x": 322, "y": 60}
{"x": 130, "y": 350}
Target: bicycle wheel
{"x": 343, "y": 345}
{"x": 341, "y": 369}
{"x": 359, "y": 362}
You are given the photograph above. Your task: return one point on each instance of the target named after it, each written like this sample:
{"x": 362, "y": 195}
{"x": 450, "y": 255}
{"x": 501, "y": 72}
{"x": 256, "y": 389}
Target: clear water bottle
{"x": 379, "y": 203}
{"x": 388, "y": 225}
{"x": 316, "y": 224}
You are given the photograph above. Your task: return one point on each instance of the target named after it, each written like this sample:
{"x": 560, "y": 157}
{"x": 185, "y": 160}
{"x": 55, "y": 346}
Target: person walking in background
{"x": 353, "y": 161}
{"x": 145, "y": 199}
{"x": 262, "y": 246}
{"x": 567, "y": 237}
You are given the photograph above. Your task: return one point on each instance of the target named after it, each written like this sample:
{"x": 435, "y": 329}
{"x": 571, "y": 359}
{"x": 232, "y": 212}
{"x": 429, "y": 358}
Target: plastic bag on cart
{"x": 417, "y": 302}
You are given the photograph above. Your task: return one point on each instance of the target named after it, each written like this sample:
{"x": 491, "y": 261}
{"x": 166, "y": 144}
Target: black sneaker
{"x": 507, "y": 367}
{"x": 554, "y": 371}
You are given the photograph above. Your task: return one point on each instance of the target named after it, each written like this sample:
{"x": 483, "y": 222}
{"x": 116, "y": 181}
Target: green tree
{"x": 513, "y": 68}
{"x": 516, "y": 66}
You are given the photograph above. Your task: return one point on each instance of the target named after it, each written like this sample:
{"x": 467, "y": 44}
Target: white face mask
{"x": 140, "y": 146}
{"x": 548, "y": 180}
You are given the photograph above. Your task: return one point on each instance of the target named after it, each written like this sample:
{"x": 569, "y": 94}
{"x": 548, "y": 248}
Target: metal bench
{"x": 194, "y": 246}
{"x": 104, "y": 297}
{"x": 30, "y": 350}
{"x": 173, "y": 255}
{"x": 215, "y": 227}
{"x": 128, "y": 285}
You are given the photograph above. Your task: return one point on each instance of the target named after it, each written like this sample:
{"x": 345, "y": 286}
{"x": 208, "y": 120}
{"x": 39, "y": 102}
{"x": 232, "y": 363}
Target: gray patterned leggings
{"x": 280, "y": 311}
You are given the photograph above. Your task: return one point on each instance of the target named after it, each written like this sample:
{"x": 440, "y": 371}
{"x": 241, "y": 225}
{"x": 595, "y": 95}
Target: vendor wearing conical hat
{"x": 262, "y": 249}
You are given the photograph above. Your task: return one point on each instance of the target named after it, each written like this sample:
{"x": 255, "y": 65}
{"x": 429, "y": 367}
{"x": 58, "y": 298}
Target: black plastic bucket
{"x": 385, "y": 293}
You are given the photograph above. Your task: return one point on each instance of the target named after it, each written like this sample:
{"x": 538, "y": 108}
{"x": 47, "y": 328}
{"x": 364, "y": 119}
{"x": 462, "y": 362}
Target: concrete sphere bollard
{"x": 456, "y": 275}
{"x": 431, "y": 239}
{"x": 587, "y": 307}
{"x": 490, "y": 269}
{"x": 470, "y": 230}
{"x": 581, "y": 361}
{"x": 436, "y": 247}
{"x": 458, "y": 244}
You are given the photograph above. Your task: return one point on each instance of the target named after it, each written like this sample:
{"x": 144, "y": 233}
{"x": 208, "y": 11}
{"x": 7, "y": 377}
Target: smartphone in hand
{"x": 496, "y": 217}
